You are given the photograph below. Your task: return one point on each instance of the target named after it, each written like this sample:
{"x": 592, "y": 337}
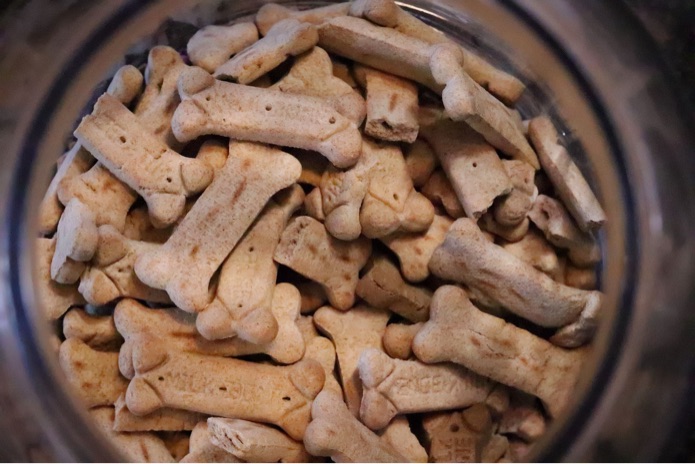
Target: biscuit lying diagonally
{"x": 164, "y": 419}
{"x": 201, "y": 448}
{"x": 272, "y": 13}
{"x": 55, "y": 299}
{"x": 398, "y": 339}
{"x": 76, "y": 242}
{"x": 248, "y": 113}
{"x": 97, "y": 332}
{"x": 458, "y": 436}
{"x": 212, "y": 46}
{"x": 184, "y": 265}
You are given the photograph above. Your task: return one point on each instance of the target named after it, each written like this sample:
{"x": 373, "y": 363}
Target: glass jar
{"x": 587, "y": 63}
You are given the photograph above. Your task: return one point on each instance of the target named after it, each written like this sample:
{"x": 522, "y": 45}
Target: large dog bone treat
{"x": 307, "y": 248}
{"x": 242, "y": 306}
{"x": 252, "y": 442}
{"x": 439, "y": 190}
{"x": 322, "y": 350}
{"x": 458, "y": 436}
{"x": 272, "y": 13}
{"x": 225, "y": 387}
{"x": 76, "y": 242}
{"x": 420, "y": 161}
{"x": 458, "y": 332}
{"x": 185, "y": 264}
{"x": 212, "y": 46}
{"x": 54, "y": 298}
{"x": 403, "y": 440}
{"x": 111, "y": 273}
{"x": 201, "y": 448}
{"x": 537, "y": 251}
{"x": 312, "y": 75}
{"x": 513, "y": 208}
{"x": 523, "y": 419}
{"x": 383, "y": 287}
{"x": 116, "y": 137}
{"x": 571, "y": 186}
{"x": 467, "y": 257}
{"x": 398, "y": 339}
{"x": 161, "y": 420}
{"x": 247, "y": 113}
{"x": 393, "y": 386}
{"x": 93, "y": 374}
{"x": 96, "y": 331}
{"x": 392, "y": 106}
{"x": 288, "y": 37}
{"x": 415, "y": 250}
{"x": 352, "y": 332}
{"x": 336, "y": 433}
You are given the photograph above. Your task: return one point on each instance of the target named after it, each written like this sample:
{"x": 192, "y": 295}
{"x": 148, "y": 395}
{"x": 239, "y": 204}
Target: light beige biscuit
{"x": 160, "y": 420}
{"x": 489, "y": 224}
{"x": 307, "y": 248}
{"x": 439, "y": 191}
{"x": 322, "y": 350}
{"x": 383, "y": 287}
{"x": 139, "y": 227}
{"x": 570, "y": 184}
{"x": 247, "y": 113}
{"x": 468, "y": 258}
{"x": 244, "y": 298}
{"x": 54, "y": 298}
{"x": 393, "y": 386}
{"x": 185, "y": 264}
{"x": 97, "y": 332}
{"x": 126, "y": 84}
{"x": 538, "y": 252}
{"x": 313, "y": 166}
{"x": 523, "y": 419}
{"x": 403, "y": 440}
{"x": 313, "y": 296}
{"x": 272, "y": 13}
{"x": 458, "y": 332}
{"x": 352, "y": 332}
{"x": 420, "y": 161}
{"x": 252, "y": 442}
{"x": 458, "y": 436}
{"x": 512, "y": 209}
{"x": 398, "y": 339}
{"x": 214, "y": 152}
{"x": 286, "y": 38}
{"x": 212, "y": 46}
{"x": 584, "y": 278}
{"x": 76, "y": 242}
{"x": 201, "y": 448}
{"x": 392, "y": 105}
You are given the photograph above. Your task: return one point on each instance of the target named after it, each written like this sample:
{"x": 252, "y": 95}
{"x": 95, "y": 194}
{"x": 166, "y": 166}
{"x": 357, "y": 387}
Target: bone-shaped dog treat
{"x": 214, "y": 152}
{"x": 96, "y": 331}
{"x": 403, "y": 440}
{"x": 571, "y": 186}
{"x": 272, "y": 13}
{"x": 467, "y": 257}
{"x": 498, "y": 400}
{"x": 583, "y": 278}
{"x": 415, "y": 250}
{"x": 313, "y": 296}
{"x": 247, "y": 113}
{"x": 489, "y": 224}
{"x": 398, "y": 339}
{"x": 336, "y": 433}
{"x": 93, "y": 374}
{"x": 383, "y": 287}
{"x": 393, "y": 386}
{"x": 160, "y": 420}
{"x": 512, "y": 209}
{"x": 313, "y": 166}
{"x": 254, "y": 442}
{"x": 55, "y": 298}
{"x": 420, "y": 161}
{"x": 439, "y": 190}
{"x": 307, "y": 248}
{"x": 537, "y": 251}
{"x": 497, "y": 449}
{"x": 76, "y": 242}
{"x": 111, "y": 273}
{"x": 392, "y": 106}
{"x": 322, "y": 350}
{"x": 286, "y": 38}
{"x": 523, "y": 419}
{"x": 126, "y": 84}
{"x": 212, "y": 46}
{"x": 555, "y": 222}
{"x": 138, "y": 227}
{"x": 458, "y": 436}
{"x": 185, "y": 264}
{"x": 224, "y": 387}
{"x": 458, "y": 332}
{"x": 201, "y": 448}
{"x": 242, "y": 306}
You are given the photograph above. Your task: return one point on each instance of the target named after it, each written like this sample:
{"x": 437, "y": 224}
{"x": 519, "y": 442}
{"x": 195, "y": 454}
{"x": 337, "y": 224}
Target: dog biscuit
{"x": 76, "y": 242}
{"x": 97, "y": 332}
{"x": 212, "y": 46}
{"x": 420, "y": 161}
{"x": 523, "y": 419}
{"x": 270, "y": 14}
{"x": 55, "y": 298}
{"x": 584, "y": 278}
{"x": 512, "y": 209}
{"x": 439, "y": 191}
{"x": 458, "y": 436}
{"x": 403, "y": 440}
{"x": 322, "y": 350}
{"x": 214, "y": 152}
{"x": 201, "y": 448}
{"x": 534, "y": 249}
{"x": 139, "y": 227}
{"x": 497, "y": 449}
{"x": 489, "y": 224}
{"x": 160, "y": 420}
{"x": 398, "y": 339}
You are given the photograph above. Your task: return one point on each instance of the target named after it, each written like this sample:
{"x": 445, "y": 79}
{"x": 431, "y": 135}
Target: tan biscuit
{"x": 336, "y": 433}
{"x": 111, "y": 273}
{"x": 403, "y": 440}
{"x": 313, "y": 296}
{"x": 161, "y": 420}
{"x": 467, "y": 257}
{"x": 272, "y": 13}
{"x": 383, "y": 287}
{"x": 214, "y": 152}
{"x": 398, "y": 339}
{"x": 126, "y": 84}
{"x": 439, "y": 191}
{"x": 313, "y": 205}
{"x": 261, "y": 115}
{"x": 177, "y": 443}
{"x": 523, "y": 419}
{"x": 583, "y": 278}
{"x": 498, "y": 400}
{"x": 225, "y": 387}
{"x": 139, "y": 227}
{"x": 313, "y": 166}
{"x": 93, "y": 374}
{"x": 322, "y": 350}
{"x": 201, "y": 448}
{"x": 242, "y": 305}
{"x": 312, "y": 75}
{"x": 307, "y": 248}
{"x": 568, "y": 180}
{"x": 185, "y": 264}
{"x": 489, "y": 224}
{"x": 96, "y": 331}
{"x": 392, "y": 105}
{"x": 420, "y": 161}
{"x": 76, "y": 242}
{"x": 254, "y": 442}
{"x": 286, "y": 38}
{"x": 458, "y": 436}
{"x": 459, "y": 332}
{"x": 212, "y": 46}
{"x": 496, "y": 449}
{"x": 537, "y": 251}
{"x": 415, "y": 250}
{"x": 54, "y": 298}
{"x": 393, "y": 386}
{"x": 352, "y": 332}
{"x": 512, "y": 209}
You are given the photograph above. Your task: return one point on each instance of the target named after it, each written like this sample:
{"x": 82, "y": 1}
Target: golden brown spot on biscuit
{"x": 238, "y": 191}
{"x": 194, "y": 250}
{"x": 393, "y": 101}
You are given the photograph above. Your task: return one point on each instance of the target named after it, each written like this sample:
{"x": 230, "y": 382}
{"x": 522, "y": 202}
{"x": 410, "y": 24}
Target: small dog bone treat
{"x": 313, "y": 167}
{"x": 415, "y": 250}
{"x": 439, "y": 191}
{"x": 322, "y": 350}
{"x": 571, "y": 186}
{"x": 336, "y": 433}
{"x": 201, "y": 448}
{"x": 403, "y": 440}
{"x": 247, "y": 113}
{"x": 185, "y": 264}
{"x": 393, "y": 386}
{"x": 126, "y": 84}
{"x": 214, "y": 152}
{"x": 55, "y": 298}
{"x": 398, "y": 339}
{"x": 458, "y": 436}
{"x": 161, "y": 420}
{"x": 286, "y": 38}
{"x": 352, "y": 332}
{"x": 138, "y": 227}
{"x": 489, "y": 224}
{"x": 458, "y": 332}
{"x": 313, "y": 296}
{"x": 523, "y": 419}
{"x": 383, "y": 287}
{"x": 307, "y": 248}
{"x": 272, "y": 13}
{"x": 583, "y": 278}
{"x": 512, "y": 209}
{"x": 392, "y": 106}
{"x": 420, "y": 161}
{"x": 212, "y": 46}
{"x": 93, "y": 374}
{"x": 467, "y": 257}
{"x": 242, "y": 306}
{"x": 312, "y": 75}
{"x": 252, "y": 442}
{"x": 555, "y": 222}
{"x": 96, "y": 331}
{"x": 76, "y": 242}
{"x": 535, "y": 250}
{"x": 111, "y": 273}
{"x": 498, "y": 400}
